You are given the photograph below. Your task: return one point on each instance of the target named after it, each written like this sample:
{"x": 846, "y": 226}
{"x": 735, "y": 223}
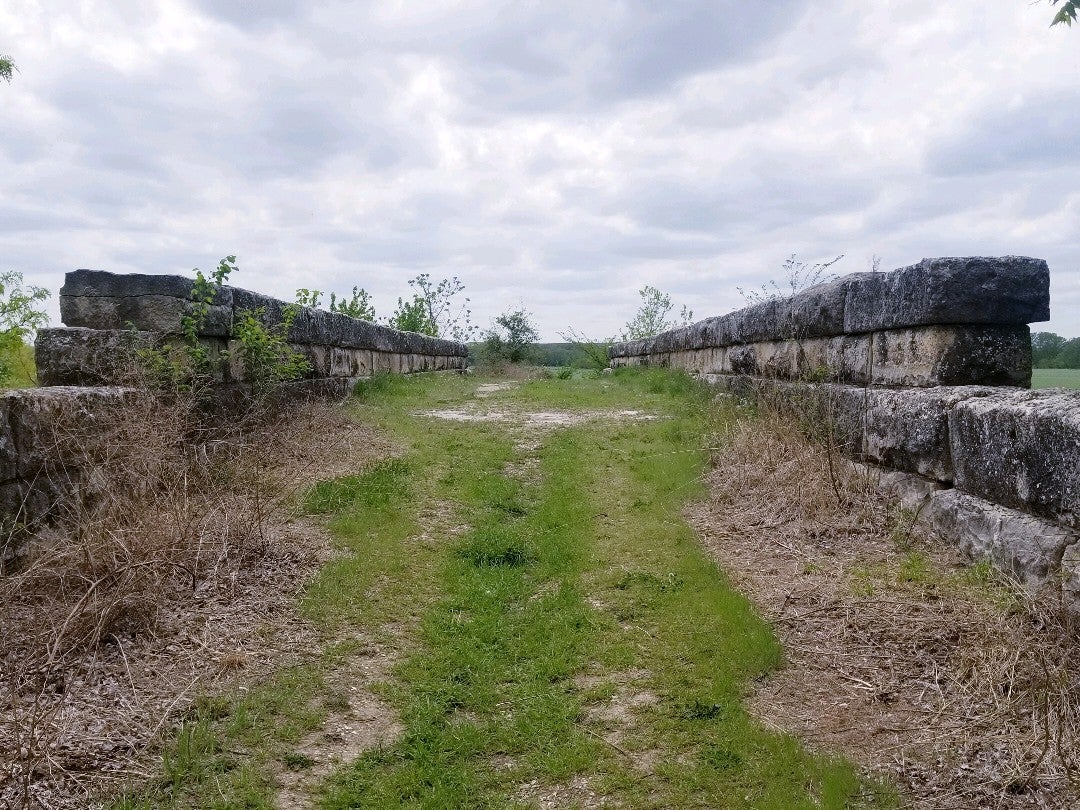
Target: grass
{"x": 533, "y": 605}
{"x": 1055, "y": 378}
{"x": 23, "y": 369}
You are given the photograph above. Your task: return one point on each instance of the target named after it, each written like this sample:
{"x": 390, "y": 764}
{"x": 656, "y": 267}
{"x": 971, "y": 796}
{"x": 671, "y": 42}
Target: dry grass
{"x": 950, "y": 679}
{"x": 175, "y": 566}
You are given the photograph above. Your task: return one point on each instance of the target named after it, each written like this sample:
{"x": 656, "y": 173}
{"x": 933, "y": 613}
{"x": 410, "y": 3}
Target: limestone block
{"x": 39, "y": 417}
{"x": 349, "y": 362}
{"x": 814, "y": 312}
{"x": 977, "y": 290}
{"x": 27, "y": 503}
{"x": 911, "y": 491}
{"x": 753, "y": 324}
{"x": 1070, "y": 581}
{"x": 100, "y": 283}
{"x": 151, "y": 313}
{"x": 9, "y": 456}
{"x": 698, "y": 335}
{"x": 778, "y": 358}
{"x": 1022, "y": 449}
{"x": 317, "y": 356}
{"x": 842, "y": 407}
{"x": 79, "y": 356}
{"x": 271, "y": 310}
{"x": 742, "y": 360}
{"x": 381, "y": 361}
{"x": 908, "y": 429}
{"x": 1028, "y": 547}
{"x": 952, "y": 355}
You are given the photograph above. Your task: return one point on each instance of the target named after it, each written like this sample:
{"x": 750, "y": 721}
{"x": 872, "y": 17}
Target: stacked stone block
{"x": 106, "y": 315}
{"x": 924, "y": 372}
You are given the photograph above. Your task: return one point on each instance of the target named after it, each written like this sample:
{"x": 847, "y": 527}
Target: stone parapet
{"x": 109, "y": 316}
{"x": 923, "y": 373}
{"x": 1005, "y": 291}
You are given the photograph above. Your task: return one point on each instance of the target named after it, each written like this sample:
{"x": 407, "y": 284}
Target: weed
{"x": 386, "y": 482}
{"x": 901, "y": 532}
{"x": 720, "y": 758}
{"x": 296, "y": 761}
{"x": 495, "y": 547}
{"x": 915, "y": 567}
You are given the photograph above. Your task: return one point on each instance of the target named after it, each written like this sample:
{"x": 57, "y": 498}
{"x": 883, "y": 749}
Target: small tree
{"x": 590, "y": 353}
{"x": 652, "y": 316}
{"x": 20, "y": 316}
{"x": 447, "y": 312}
{"x": 510, "y": 337}
{"x": 308, "y": 298}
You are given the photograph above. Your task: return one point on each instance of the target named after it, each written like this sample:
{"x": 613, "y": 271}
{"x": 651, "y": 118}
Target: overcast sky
{"x": 556, "y": 154}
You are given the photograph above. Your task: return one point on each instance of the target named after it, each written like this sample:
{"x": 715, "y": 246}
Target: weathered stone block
{"x": 1021, "y": 449}
{"x": 1012, "y": 290}
{"x": 1028, "y": 547}
{"x": 100, "y": 300}
{"x": 99, "y": 283}
{"x": 912, "y": 492}
{"x": 815, "y": 312}
{"x": 78, "y": 356}
{"x": 151, "y": 313}
{"x": 908, "y": 429}
{"x": 1070, "y": 581}
{"x": 753, "y": 324}
{"x": 952, "y": 355}
{"x": 40, "y": 419}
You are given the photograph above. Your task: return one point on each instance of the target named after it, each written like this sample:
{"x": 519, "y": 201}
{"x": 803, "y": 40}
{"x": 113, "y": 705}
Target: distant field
{"x": 1055, "y": 378}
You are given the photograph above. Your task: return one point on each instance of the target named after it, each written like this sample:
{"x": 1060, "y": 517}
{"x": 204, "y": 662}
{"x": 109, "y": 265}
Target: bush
{"x": 509, "y": 339}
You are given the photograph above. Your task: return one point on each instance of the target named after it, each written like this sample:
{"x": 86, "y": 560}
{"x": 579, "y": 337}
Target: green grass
{"x": 517, "y": 589}
{"x": 1055, "y": 378}
{"x": 22, "y": 368}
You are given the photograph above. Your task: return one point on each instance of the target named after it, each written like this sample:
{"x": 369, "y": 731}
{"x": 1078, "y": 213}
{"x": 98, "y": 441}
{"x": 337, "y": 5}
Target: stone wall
{"x": 83, "y": 369}
{"x": 106, "y": 314}
{"x": 923, "y": 372}
{"x": 44, "y": 467}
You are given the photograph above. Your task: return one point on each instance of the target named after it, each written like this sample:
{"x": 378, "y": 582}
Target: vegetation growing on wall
{"x": 798, "y": 276}
{"x": 261, "y": 345}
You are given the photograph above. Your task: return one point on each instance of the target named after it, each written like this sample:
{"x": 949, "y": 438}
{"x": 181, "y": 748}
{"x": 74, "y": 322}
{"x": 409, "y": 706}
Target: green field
{"x": 1055, "y": 378}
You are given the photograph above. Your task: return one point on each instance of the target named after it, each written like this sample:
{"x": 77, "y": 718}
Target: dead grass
{"x": 174, "y": 569}
{"x": 950, "y": 679}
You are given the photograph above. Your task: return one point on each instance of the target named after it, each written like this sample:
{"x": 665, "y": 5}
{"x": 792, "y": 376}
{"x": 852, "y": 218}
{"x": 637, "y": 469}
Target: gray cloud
{"x": 1041, "y": 132}
{"x": 554, "y": 153}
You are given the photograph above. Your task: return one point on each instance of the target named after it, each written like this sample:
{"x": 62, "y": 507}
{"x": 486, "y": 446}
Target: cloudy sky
{"x": 559, "y": 155}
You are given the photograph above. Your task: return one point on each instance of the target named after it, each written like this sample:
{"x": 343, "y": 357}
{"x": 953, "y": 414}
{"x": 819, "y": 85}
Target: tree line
{"x": 1054, "y": 351}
